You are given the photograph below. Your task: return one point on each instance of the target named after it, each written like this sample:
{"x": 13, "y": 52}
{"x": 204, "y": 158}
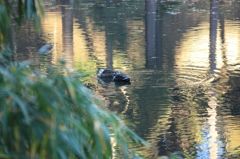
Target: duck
{"x": 45, "y": 49}
{"x": 116, "y": 76}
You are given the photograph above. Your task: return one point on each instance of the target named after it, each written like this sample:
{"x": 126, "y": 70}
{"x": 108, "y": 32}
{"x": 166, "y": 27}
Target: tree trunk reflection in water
{"x": 67, "y": 33}
{"x": 209, "y": 146}
{"x": 159, "y": 40}
{"x": 109, "y": 38}
{"x": 150, "y": 24}
{"x": 213, "y": 33}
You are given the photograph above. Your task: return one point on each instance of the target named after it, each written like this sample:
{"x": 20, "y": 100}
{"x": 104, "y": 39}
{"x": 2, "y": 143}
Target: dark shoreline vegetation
{"x": 52, "y": 115}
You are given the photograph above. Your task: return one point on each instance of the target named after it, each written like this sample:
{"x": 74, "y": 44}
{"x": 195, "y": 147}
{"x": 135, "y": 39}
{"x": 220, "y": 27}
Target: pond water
{"x": 183, "y": 58}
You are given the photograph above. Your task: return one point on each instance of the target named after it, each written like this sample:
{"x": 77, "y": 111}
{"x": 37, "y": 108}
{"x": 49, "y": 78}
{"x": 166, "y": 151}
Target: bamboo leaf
{"x": 62, "y": 153}
{"x": 4, "y": 156}
{"x": 4, "y": 119}
{"x": 29, "y": 8}
{"x": 73, "y": 144}
{"x": 22, "y": 105}
{"x": 62, "y": 119}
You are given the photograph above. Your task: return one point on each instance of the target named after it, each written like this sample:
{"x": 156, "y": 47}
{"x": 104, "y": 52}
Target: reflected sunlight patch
{"x": 194, "y": 49}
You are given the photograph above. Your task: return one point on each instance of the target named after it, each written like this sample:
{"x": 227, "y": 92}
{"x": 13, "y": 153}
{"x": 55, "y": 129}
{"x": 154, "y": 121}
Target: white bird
{"x": 45, "y": 49}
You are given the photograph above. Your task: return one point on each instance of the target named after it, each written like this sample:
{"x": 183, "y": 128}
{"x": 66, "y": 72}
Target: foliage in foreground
{"x": 56, "y": 117}
{"x": 18, "y": 11}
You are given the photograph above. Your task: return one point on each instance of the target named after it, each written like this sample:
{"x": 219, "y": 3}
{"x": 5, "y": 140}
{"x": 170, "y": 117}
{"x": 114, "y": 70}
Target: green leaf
{"x": 61, "y": 153}
{"x": 62, "y": 119}
{"x": 22, "y": 105}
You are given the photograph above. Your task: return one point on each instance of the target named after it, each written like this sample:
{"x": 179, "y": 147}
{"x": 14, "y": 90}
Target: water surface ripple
{"x": 183, "y": 58}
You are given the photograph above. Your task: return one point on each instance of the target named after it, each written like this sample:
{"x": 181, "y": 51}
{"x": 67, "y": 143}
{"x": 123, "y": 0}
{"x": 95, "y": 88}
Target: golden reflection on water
{"x": 212, "y": 123}
{"x": 52, "y": 31}
{"x": 136, "y": 41}
{"x": 232, "y": 134}
{"x": 193, "y": 49}
{"x": 193, "y": 53}
{"x": 95, "y": 39}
